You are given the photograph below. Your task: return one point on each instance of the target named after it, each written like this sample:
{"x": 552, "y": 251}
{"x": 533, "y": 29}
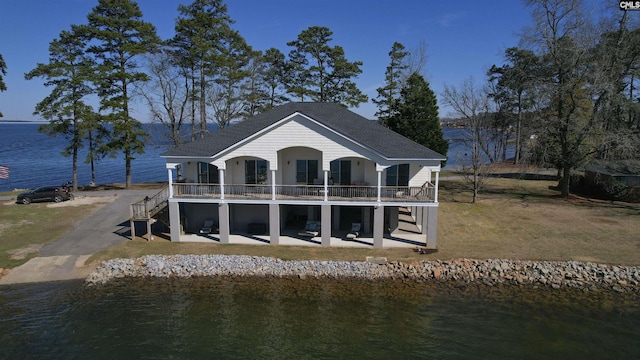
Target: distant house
{"x": 625, "y": 171}
{"x": 615, "y": 180}
{"x": 265, "y": 179}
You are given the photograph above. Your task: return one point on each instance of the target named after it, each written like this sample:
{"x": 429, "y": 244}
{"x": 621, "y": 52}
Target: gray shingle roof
{"x": 368, "y": 133}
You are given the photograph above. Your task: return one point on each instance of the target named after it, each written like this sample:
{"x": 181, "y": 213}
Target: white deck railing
{"x": 307, "y": 192}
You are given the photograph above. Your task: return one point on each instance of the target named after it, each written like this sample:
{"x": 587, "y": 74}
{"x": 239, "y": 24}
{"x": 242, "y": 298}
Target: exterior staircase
{"x": 407, "y": 222}
{"x": 150, "y": 210}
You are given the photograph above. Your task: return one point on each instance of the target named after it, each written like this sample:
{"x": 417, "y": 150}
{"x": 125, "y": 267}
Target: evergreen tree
{"x": 274, "y": 76}
{"x": 227, "y": 97}
{"x": 256, "y": 94}
{"x": 388, "y": 94}
{"x": 3, "y": 72}
{"x": 415, "y": 115}
{"x": 118, "y": 35}
{"x": 68, "y": 72}
{"x": 201, "y": 31}
{"x": 322, "y": 72}
{"x": 514, "y": 89}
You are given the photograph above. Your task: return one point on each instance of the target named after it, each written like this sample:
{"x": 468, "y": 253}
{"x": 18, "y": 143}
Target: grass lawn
{"x": 523, "y": 219}
{"x": 25, "y": 228}
{"x": 515, "y": 219}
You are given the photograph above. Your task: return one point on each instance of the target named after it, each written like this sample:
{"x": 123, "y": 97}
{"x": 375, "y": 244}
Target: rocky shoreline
{"x": 582, "y": 275}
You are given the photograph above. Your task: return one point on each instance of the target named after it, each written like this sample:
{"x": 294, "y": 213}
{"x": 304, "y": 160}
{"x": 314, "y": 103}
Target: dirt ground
{"x": 84, "y": 200}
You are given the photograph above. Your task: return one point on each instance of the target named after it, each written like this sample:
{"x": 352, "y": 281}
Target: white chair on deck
{"x": 354, "y": 232}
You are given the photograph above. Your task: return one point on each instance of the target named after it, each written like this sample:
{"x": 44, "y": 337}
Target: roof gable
{"x": 364, "y": 132}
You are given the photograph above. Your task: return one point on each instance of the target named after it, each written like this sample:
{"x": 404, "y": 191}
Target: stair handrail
{"x": 149, "y": 204}
{"x": 423, "y": 188}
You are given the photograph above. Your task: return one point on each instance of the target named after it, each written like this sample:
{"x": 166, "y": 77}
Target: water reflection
{"x": 312, "y": 319}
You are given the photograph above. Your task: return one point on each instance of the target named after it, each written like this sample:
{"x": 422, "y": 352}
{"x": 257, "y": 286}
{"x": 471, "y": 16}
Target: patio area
{"x": 405, "y": 240}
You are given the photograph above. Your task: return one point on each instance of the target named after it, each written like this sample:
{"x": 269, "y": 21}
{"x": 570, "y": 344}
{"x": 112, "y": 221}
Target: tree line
{"x": 205, "y": 73}
{"x": 565, "y": 96}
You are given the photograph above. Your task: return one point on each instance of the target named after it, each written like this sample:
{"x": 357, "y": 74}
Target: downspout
{"x": 435, "y": 192}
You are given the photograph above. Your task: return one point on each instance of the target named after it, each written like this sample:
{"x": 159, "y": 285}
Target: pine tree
{"x": 118, "y": 36}
{"x": 3, "y": 72}
{"x": 227, "y": 97}
{"x": 322, "y": 72}
{"x": 415, "y": 115}
{"x": 68, "y": 73}
{"x": 274, "y": 77}
{"x": 200, "y": 35}
{"x": 388, "y": 94}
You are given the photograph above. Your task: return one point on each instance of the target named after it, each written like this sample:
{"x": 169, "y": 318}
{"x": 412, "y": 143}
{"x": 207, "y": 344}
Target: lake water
{"x": 35, "y": 159}
{"x": 312, "y": 319}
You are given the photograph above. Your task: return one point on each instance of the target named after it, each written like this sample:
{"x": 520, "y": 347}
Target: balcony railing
{"x": 307, "y": 192}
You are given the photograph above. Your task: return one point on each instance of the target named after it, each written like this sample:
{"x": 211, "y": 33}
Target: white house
{"x": 262, "y": 180}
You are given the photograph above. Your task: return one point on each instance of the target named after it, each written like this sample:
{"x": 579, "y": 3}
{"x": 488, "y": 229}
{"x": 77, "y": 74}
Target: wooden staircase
{"x": 150, "y": 210}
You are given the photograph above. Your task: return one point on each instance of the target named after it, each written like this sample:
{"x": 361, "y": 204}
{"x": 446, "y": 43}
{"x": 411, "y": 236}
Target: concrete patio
{"x": 290, "y": 238}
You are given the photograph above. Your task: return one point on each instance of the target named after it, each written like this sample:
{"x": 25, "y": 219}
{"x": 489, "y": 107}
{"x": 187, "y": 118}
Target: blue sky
{"x": 464, "y": 38}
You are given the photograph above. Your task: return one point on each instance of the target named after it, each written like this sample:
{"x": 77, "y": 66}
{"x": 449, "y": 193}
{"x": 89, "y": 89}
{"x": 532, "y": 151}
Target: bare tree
{"x": 416, "y": 61}
{"x": 167, "y": 94}
{"x": 471, "y": 104}
{"x": 562, "y": 36}
{"x": 226, "y": 103}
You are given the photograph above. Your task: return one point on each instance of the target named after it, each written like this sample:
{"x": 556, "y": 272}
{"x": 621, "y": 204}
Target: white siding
{"x": 298, "y": 132}
{"x": 418, "y": 175}
{"x": 288, "y": 164}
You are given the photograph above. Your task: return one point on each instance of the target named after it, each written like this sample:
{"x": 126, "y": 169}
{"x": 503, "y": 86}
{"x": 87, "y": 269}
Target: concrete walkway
{"x": 64, "y": 259}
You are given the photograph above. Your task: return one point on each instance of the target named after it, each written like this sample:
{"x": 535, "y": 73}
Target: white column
{"x": 174, "y": 220}
{"x": 273, "y": 184}
{"x": 378, "y": 226}
{"x": 379, "y": 184}
{"x": 326, "y": 188}
{"x": 274, "y": 224}
{"x": 170, "y": 183}
{"x": 435, "y": 194}
{"x": 221, "y": 177}
{"x": 432, "y": 224}
{"x": 224, "y": 227}
{"x": 325, "y": 220}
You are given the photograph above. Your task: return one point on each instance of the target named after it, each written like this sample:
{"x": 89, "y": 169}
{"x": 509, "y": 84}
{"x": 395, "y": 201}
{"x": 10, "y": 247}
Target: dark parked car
{"x": 45, "y": 193}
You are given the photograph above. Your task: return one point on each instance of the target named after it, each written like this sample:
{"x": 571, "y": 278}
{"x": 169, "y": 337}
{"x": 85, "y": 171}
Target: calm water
{"x": 312, "y": 319}
{"x": 35, "y": 160}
